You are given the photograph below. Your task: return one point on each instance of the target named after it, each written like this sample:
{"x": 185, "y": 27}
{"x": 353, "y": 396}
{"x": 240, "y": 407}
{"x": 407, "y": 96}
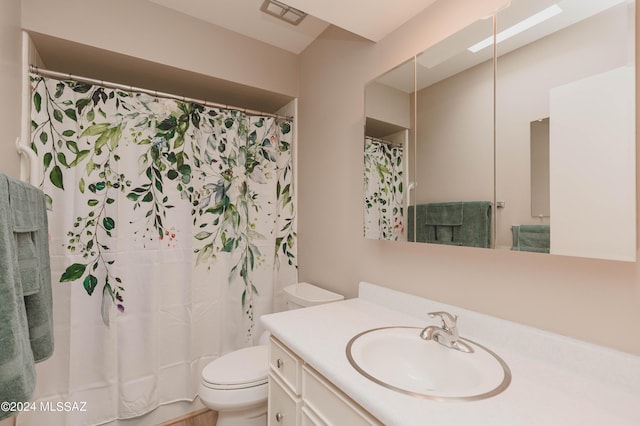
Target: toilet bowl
{"x": 236, "y": 384}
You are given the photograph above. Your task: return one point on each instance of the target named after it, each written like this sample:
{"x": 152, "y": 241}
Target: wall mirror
{"x": 565, "y": 128}
{"x": 389, "y": 175}
{"x": 552, "y": 171}
{"x": 454, "y": 141}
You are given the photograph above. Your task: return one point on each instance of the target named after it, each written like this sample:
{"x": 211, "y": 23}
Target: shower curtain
{"x": 383, "y": 190}
{"x": 171, "y": 232}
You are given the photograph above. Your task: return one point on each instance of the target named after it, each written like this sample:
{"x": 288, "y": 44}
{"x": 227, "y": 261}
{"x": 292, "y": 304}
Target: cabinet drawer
{"x": 283, "y": 406}
{"x": 285, "y": 364}
{"x": 330, "y": 404}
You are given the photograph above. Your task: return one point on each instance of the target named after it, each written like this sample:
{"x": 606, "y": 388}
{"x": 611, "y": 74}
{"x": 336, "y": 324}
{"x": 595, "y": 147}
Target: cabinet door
{"x": 331, "y": 404}
{"x": 309, "y": 418}
{"x": 284, "y": 406}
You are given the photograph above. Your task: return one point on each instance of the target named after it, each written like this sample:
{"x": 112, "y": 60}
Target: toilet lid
{"x": 242, "y": 368}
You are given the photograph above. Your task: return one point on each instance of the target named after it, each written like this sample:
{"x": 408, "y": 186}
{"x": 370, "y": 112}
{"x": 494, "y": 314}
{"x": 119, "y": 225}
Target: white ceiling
{"x": 371, "y": 19}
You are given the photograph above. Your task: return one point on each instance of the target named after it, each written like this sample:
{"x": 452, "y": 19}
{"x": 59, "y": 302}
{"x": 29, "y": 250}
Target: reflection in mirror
{"x": 388, "y": 106}
{"x": 539, "y": 152}
{"x": 572, "y": 61}
{"x": 384, "y": 163}
{"x": 454, "y": 141}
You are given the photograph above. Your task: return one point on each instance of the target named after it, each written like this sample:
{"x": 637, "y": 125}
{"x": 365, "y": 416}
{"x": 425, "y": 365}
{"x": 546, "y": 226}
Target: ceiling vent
{"x": 282, "y": 11}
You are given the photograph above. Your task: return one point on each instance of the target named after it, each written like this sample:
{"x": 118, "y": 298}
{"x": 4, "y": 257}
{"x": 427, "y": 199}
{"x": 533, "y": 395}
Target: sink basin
{"x": 397, "y": 358}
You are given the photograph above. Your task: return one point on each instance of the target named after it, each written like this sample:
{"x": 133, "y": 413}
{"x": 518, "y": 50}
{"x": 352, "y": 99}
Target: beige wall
{"x": 10, "y": 67}
{"x": 166, "y": 37}
{"x": 455, "y": 138}
{"x": 597, "y": 301}
{"x": 10, "y": 72}
{"x": 387, "y": 104}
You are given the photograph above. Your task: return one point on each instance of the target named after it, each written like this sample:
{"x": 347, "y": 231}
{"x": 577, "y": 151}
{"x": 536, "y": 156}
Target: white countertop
{"x": 555, "y": 380}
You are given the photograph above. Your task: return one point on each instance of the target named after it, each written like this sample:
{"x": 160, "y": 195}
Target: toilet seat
{"x": 241, "y": 369}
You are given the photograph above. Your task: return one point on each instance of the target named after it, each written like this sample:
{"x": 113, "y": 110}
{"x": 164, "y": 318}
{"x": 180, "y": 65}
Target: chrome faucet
{"x": 447, "y": 334}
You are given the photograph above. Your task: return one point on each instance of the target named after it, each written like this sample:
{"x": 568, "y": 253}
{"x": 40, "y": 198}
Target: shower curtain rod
{"x": 384, "y": 141}
{"x": 124, "y": 87}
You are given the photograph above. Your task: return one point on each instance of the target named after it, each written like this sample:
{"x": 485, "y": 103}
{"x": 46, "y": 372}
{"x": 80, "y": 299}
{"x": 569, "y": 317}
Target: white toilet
{"x": 235, "y": 385}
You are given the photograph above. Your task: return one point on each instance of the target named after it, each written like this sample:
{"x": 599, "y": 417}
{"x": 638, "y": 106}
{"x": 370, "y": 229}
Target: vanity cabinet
{"x": 285, "y": 386}
{"x": 299, "y": 395}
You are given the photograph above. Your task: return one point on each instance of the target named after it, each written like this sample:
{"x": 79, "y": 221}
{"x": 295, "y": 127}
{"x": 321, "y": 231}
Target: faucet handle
{"x": 449, "y": 321}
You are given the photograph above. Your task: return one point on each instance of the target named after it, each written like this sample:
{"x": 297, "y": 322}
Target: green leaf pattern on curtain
{"x": 215, "y": 161}
{"x": 383, "y": 190}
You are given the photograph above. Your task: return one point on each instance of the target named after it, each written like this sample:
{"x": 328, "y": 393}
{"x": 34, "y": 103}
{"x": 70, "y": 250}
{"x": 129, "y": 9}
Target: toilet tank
{"x": 301, "y": 295}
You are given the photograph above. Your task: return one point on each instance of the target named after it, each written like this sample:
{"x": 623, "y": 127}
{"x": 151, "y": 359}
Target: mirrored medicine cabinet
{"x": 516, "y": 133}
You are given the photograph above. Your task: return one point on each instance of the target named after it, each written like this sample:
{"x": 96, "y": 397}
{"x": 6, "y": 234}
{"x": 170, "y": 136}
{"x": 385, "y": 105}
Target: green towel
{"x": 449, "y": 214}
{"x": 25, "y": 228}
{"x": 476, "y": 227}
{"x": 443, "y": 220}
{"x": 463, "y": 223}
{"x": 28, "y": 207}
{"x": 17, "y": 370}
{"x": 533, "y": 238}
{"x": 420, "y": 223}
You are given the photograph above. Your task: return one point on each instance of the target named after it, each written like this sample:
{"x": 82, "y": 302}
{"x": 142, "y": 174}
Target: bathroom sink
{"x": 397, "y": 358}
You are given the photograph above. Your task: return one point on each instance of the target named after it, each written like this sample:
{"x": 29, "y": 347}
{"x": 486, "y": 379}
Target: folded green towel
{"x": 533, "y": 238}
{"x": 31, "y": 233}
{"x": 23, "y": 199}
{"x": 420, "y": 223}
{"x": 476, "y": 228}
{"x": 464, "y": 223}
{"x": 28, "y": 262}
{"x": 535, "y": 229}
{"x": 17, "y": 370}
{"x": 450, "y": 214}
